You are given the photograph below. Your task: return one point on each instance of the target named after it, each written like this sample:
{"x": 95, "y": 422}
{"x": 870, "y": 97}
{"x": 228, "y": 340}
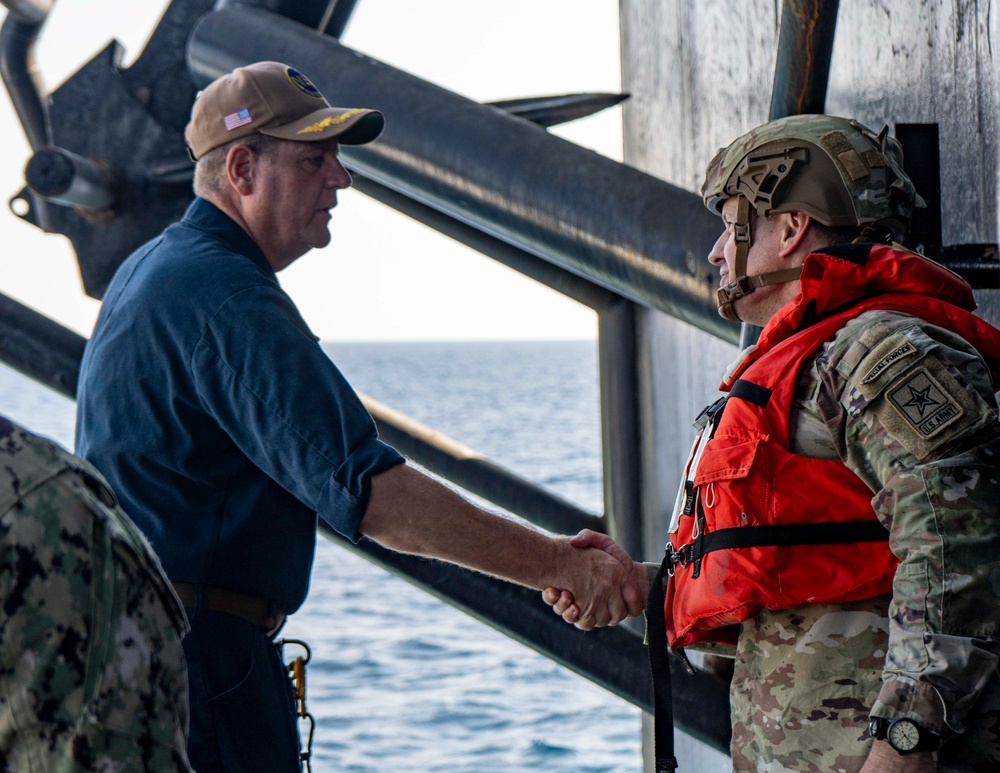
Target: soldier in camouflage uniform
{"x": 909, "y": 407}
{"x": 934, "y": 658}
{"x": 92, "y": 674}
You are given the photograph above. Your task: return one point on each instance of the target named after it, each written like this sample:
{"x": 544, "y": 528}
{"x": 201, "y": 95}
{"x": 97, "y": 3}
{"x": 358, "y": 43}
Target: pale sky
{"x": 384, "y": 277}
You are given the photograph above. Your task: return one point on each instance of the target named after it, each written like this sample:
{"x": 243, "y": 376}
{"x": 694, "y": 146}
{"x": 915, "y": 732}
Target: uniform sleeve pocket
{"x": 908, "y": 617}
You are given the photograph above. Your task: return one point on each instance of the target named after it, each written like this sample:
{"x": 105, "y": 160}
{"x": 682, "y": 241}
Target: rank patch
{"x": 924, "y": 404}
{"x": 331, "y": 121}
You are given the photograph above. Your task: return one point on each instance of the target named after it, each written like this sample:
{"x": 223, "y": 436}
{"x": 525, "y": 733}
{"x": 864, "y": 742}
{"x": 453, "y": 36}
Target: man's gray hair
{"x": 210, "y": 172}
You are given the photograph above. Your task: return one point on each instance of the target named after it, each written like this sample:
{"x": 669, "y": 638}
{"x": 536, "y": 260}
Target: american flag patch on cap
{"x": 233, "y": 120}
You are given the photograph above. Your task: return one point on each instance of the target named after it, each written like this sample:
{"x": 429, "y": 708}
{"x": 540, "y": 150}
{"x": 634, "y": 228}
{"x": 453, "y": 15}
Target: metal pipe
{"x": 562, "y": 281}
{"x": 28, "y": 11}
{"x": 620, "y": 430}
{"x": 801, "y": 73}
{"x": 337, "y": 16}
{"x": 805, "y": 48}
{"x": 17, "y": 39}
{"x": 311, "y": 13}
{"x": 39, "y": 347}
{"x": 65, "y": 178}
{"x": 616, "y": 226}
{"x": 473, "y": 472}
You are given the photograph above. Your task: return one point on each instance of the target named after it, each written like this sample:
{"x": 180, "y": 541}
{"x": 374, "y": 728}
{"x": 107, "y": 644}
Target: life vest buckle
{"x": 681, "y": 557}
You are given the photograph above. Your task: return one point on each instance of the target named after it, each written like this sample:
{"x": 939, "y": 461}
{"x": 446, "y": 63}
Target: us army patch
{"x": 922, "y": 402}
{"x": 903, "y": 350}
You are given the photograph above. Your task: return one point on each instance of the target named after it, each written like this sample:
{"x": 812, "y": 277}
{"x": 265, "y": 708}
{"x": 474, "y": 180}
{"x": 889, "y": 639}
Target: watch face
{"x": 904, "y": 735}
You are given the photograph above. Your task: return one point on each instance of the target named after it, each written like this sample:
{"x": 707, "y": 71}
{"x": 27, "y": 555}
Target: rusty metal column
{"x": 802, "y": 66}
{"x": 801, "y": 72}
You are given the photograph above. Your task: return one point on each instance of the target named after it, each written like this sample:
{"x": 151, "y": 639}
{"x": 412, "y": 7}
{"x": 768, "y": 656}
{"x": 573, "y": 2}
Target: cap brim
{"x": 355, "y": 126}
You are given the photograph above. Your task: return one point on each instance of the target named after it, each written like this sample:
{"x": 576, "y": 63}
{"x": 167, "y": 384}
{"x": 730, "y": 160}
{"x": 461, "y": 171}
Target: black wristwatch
{"x": 903, "y": 735}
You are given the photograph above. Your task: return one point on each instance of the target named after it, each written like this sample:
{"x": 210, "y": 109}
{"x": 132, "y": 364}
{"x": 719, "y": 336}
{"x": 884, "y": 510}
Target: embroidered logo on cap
{"x": 237, "y": 119}
{"x": 924, "y": 404}
{"x": 302, "y": 83}
{"x": 331, "y": 121}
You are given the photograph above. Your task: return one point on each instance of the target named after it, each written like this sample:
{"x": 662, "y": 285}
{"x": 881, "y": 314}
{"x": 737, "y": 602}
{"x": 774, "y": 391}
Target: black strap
{"x": 751, "y": 392}
{"x": 789, "y": 534}
{"x": 659, "y": 664}
{"x": 838, "y": 532}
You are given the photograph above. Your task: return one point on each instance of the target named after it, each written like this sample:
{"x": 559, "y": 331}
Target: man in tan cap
{"x": 236, "y": 430}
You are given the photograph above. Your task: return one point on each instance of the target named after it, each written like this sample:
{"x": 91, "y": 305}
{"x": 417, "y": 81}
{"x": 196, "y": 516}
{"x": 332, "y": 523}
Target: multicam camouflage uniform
{"x": 92, "y": 675}
{"x": 807, "y": 679}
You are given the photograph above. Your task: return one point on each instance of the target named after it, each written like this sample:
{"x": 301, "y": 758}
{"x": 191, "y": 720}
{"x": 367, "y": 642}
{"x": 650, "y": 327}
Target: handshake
{"x": 602, "y": 584}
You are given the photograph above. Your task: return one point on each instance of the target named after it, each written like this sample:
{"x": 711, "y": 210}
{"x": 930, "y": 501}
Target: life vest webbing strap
{"x": 751, "y": 392}
{"x": 833, "y": 532}
{"x": 659, "y": 664}
{"x": 789, "y": 534}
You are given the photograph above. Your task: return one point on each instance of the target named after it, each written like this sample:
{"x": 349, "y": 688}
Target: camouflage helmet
{"x": 834, "y": 169}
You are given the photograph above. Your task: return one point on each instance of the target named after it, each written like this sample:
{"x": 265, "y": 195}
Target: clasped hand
{"x": 606, "y": 591}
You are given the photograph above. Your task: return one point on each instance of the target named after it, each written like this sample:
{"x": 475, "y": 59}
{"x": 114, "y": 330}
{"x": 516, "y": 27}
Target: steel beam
{"x": 572, "y": 286}
{"x": 30, "y": 11}
{"x": 477, "y": 474}
{"x": 311, "y": 13}
{"x": 620, "y": 429}
{"x": 17, "y": 39}
{"x": 39, "y": 347}
{"x": 337, "y": 17}
{"x": 614, "y": 225}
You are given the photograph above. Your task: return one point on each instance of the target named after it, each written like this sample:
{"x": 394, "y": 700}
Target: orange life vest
{"x": 758, "y": 526}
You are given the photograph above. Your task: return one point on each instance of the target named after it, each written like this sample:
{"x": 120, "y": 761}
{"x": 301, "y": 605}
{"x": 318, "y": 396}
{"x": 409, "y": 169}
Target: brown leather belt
{"x": 254, "y": 609}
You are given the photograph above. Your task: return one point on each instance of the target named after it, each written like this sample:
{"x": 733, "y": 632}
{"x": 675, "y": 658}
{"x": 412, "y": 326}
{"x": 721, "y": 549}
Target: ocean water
{"x": 398, "y": 680}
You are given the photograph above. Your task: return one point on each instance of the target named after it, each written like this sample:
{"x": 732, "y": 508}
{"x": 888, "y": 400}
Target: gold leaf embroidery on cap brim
{"x": 330, "y": 121}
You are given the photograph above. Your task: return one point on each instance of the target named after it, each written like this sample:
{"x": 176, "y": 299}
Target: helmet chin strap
{"x": 743, "y": 284}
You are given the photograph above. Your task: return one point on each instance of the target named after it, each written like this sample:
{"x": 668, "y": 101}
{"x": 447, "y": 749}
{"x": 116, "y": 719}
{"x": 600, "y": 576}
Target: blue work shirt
{"x": 219, "y": 421}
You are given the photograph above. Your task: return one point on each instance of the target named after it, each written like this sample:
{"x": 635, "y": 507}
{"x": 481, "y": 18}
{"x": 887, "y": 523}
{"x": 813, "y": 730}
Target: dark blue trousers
{"x": 242, "y": 701}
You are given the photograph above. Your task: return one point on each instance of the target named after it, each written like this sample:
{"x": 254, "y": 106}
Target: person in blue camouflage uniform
{"x": 808, "y": 679}
{"x": 92, "y": 674}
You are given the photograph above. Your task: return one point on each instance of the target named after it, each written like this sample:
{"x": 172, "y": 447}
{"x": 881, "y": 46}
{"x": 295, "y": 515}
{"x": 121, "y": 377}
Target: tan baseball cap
{"x": 277, "y": 100}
